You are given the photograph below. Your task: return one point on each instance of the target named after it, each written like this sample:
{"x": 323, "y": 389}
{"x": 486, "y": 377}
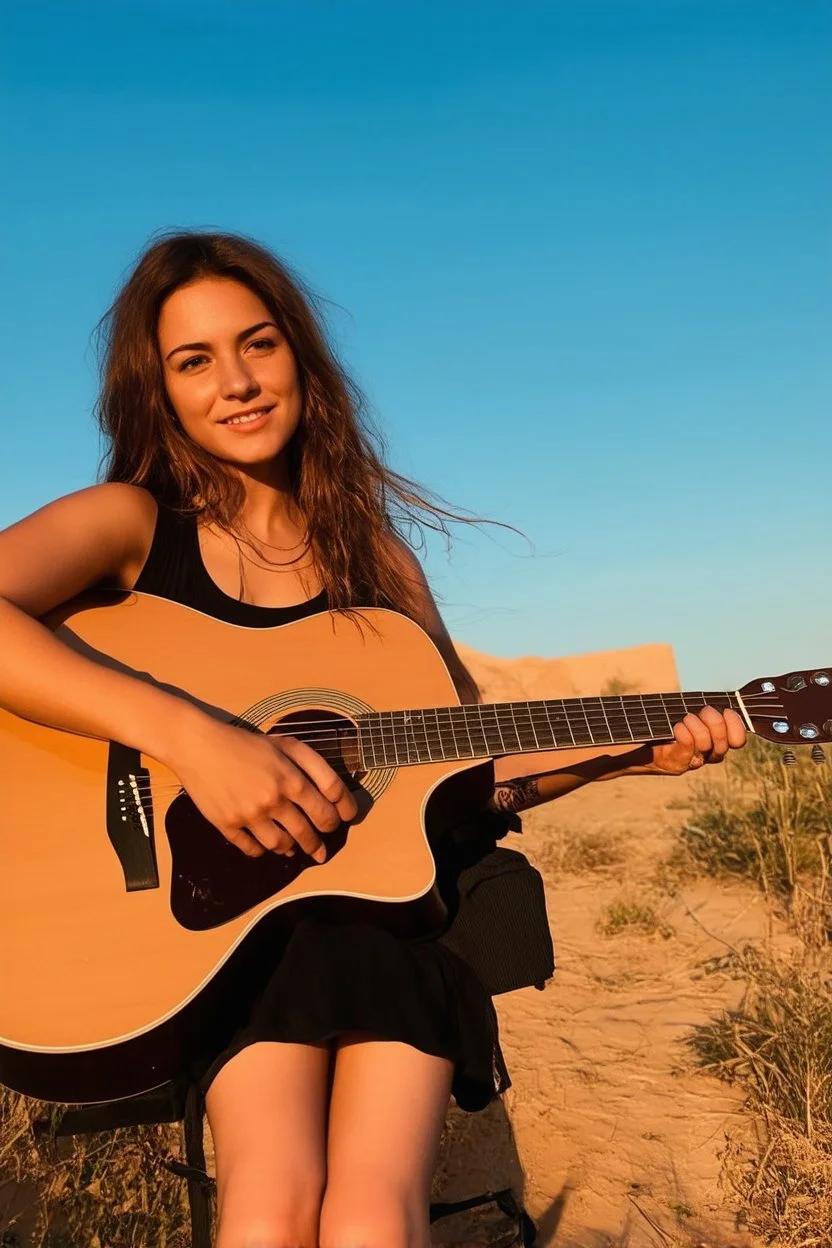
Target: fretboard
{"x": 434, "y": 734}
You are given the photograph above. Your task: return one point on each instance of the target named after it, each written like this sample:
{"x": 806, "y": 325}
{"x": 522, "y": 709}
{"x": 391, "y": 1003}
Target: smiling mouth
{"x": 246, "y": 418}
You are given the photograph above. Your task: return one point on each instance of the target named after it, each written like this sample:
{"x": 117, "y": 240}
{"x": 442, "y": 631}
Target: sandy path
{"x": 612, "y": 1128}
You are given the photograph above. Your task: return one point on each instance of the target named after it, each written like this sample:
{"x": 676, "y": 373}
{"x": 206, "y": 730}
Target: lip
{"x": 250, "y": 425}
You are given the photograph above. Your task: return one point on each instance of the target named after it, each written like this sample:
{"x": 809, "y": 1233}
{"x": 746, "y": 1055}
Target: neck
{"x": 435, "y": 734}
{"x": 269, "y": 510}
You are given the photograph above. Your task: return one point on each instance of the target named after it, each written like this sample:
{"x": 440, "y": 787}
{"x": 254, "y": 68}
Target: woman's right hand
{"x": 262, "y": 792}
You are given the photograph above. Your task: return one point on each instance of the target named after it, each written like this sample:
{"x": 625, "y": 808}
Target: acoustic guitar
{"x": 124, "y": 914}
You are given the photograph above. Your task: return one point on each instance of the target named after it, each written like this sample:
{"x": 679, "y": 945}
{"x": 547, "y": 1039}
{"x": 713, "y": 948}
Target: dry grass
{"x": 571, "y": 851}
{"x": 626, "y": 914}
{"x": 109, "y": 1190}
{"x": 768, "y": 823}
{"x": 773, "y": 825}
{"x": 778, "y": 1048}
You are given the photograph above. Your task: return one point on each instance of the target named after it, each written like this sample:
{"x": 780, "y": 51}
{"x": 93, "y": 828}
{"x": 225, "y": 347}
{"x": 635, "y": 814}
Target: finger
{"x": 326, "y": 782}
{"x": 296, "y": 825}
{"x": 702, "y": 740}
{"x": 243, "y": 840}
{"x": 272, "y": 836}
{"x": 689, "y": 756}
{"x": 737, "y": 732}
{"x": 714, "y": 721}
{"x": 684, "y": 736}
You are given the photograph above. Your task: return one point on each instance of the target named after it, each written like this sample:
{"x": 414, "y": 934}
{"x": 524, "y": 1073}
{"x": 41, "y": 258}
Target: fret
{"x": 504, "y": 716}
{"x": 603, "y": 705}
{"x": 562, "y": 719}
{"x": 542, "y": 725}
{"x": 581, "y": 732}
{"x": 637, "y": 720}
{"x": 460, "y": 713}
{"x": 420, "y": 730}
{"x": 626, "y": 720}
{"x": 657, "y": 715}
{"x": 440, "y": 741}
{"x": 676, "y": 706}
{"x": 432, "y": 738}
{"x": 368, "y": 749}
{"x": 393, "y": 739}
{"x": 600, "y": 728}
{"x": 476, "y": 731}
{"x": 502, "y": 748}
{"x": 533, "y": 742}
{"x": 448, "y": 737}
{"x": 410, "y": 737}
{"x": 382, "y": 746}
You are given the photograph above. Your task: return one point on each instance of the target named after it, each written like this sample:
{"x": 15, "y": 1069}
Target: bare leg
{"x": 267, "y": 1113}
{"x": 386, "y": 1114}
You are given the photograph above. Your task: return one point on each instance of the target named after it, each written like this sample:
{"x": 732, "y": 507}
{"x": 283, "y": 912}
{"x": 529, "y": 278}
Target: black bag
{"x": 497, "y": 908}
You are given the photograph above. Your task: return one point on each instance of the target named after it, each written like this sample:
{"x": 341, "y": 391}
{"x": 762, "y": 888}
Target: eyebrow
{"x": 204, "y": 346}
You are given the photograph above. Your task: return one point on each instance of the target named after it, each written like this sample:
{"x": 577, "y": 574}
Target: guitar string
{"x": 402, "y": 734}
{"x": 403, "y": 730}
{"x": 580, "y": 706}
{"x": 601, "y": 705}
{"x": 149, "y": 787}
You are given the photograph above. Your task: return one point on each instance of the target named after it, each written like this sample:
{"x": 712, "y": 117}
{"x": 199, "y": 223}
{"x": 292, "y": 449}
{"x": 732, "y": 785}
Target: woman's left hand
{"x": 699, "y": 739}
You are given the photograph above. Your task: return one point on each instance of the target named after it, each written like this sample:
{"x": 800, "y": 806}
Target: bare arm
{"x": 263, "y": 794}
{"x": 101, "y": 534}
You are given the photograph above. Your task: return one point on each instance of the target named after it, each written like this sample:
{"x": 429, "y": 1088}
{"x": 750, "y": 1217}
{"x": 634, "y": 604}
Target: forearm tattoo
{"x": 511, "y": 796}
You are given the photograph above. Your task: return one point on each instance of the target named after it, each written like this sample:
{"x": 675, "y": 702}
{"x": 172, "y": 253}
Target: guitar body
{"x": 122, "y": 917}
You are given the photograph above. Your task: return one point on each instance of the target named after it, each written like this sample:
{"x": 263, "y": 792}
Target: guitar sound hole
{"x": 333, "y": 736}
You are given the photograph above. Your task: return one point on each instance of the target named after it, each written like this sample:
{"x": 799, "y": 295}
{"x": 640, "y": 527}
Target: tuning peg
{"x": 818, "y": 755}
{"x": 788, "y": 759}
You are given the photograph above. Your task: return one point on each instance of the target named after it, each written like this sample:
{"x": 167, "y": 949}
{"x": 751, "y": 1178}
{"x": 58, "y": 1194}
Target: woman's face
{"x": 229, "y": 372}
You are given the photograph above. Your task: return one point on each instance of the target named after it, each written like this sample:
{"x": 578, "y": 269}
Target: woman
{"x": 241, "y": 482}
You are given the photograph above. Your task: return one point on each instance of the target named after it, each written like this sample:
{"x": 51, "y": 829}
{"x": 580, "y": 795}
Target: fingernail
{"x": 320, "y": 854}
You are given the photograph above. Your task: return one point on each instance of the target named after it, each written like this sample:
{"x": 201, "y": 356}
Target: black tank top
{"x": 496, "y": 897}
{"x": 174, "y": 569}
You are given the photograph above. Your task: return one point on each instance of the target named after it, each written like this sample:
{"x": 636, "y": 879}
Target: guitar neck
{"x": 435, "y": 734}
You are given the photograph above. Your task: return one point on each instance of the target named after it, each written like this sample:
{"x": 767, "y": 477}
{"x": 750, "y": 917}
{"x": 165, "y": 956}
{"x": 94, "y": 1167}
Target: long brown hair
{"x": 351, "y": 502}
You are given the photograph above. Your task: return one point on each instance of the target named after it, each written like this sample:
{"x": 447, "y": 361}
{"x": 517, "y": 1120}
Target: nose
{"x": 235, "y": 378}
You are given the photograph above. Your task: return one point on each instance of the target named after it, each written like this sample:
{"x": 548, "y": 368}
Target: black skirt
{"x": 333, "y": 980}
{"x": 327, "y": 980}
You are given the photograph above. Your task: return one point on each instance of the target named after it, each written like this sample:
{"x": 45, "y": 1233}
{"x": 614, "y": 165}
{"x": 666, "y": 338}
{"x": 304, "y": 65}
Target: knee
{"x": 373, "y": 1220}
{"x": 276, "y": 1219}
{"x": 265, "y": 1235}
{"x": 268, "y": 1232}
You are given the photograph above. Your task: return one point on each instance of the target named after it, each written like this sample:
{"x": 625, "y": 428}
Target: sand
{"x": 607, "y": 1132}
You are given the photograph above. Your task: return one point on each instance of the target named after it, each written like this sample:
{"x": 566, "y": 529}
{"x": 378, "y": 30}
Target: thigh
{"x": 387, "y": 1111}
{"x": 267, "y": 1113}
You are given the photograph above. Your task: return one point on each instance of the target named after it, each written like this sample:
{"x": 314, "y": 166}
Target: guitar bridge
{"x": 130, "y": 817}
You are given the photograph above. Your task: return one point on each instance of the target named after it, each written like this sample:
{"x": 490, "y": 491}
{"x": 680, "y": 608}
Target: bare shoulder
{"x": 99, "y": 534}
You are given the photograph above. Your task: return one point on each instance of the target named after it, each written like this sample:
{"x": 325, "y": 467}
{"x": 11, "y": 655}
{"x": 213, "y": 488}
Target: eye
{"x": 261, "y": 343}
{"x": 191, "y": 362}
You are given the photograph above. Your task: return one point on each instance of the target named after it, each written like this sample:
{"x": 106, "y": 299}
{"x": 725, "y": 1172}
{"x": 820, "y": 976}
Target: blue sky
{"x": 579, "y": 257}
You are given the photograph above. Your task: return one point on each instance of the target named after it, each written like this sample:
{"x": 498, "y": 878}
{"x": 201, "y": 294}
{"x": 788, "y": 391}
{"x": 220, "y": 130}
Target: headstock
{"x": 795, "y": 709}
